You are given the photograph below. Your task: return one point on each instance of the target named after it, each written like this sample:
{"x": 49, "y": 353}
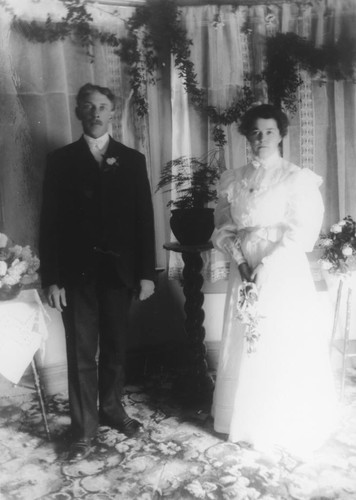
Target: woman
{"x": 274, "y": 384}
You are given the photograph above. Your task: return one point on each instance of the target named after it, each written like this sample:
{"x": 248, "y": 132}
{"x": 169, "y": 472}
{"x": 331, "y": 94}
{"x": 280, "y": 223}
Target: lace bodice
{"x": 274, "y": 194}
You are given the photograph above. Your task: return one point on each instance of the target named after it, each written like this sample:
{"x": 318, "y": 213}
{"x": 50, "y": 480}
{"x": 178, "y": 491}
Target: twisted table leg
{"x": 199, "y": 380}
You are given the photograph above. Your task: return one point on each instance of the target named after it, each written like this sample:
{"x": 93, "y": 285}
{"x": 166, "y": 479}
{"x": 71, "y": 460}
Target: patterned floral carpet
{"x": 176, "y": 456}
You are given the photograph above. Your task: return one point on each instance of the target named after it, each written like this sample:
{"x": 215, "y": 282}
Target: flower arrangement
{"x": 18, "y": 267}
{"x": 247, "y": 313}
{"x": 339, "y": 247}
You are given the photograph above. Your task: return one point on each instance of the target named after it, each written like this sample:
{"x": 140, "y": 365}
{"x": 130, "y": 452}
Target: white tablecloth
{"x": 23, "y": 331}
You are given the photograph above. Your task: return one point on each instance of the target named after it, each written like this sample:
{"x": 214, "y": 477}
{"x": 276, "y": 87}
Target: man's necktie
{"x": 96, "y": 152}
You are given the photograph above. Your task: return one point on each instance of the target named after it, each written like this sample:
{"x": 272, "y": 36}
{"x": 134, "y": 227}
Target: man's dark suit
{"x": 96, "y": 241}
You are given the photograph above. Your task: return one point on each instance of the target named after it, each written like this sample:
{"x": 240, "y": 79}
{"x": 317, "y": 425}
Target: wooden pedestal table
{"x": 196, "y": 385}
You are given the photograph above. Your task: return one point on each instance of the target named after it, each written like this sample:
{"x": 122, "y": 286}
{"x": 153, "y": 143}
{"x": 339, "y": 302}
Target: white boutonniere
{"x": 111, "y": 164}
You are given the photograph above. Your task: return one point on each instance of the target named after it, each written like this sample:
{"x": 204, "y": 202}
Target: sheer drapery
{"x": 38, "y": 84}
{"x": 322, "y": 131}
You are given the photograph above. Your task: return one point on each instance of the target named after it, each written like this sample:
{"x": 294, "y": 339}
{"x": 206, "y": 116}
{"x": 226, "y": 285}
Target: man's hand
{"x": 147, "y": 288}
{"x": 56, "y": 297}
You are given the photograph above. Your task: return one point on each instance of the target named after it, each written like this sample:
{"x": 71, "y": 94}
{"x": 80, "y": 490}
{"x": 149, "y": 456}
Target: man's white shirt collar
{"x": 100, "y": 142}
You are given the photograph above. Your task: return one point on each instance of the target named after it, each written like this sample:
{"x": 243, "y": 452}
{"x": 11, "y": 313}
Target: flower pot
{"x": 8, "y": 292}
{"x": 192, "y": 226}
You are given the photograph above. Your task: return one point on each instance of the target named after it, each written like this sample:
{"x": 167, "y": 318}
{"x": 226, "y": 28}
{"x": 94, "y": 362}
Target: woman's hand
{"x": 259, "y": 275}
{"x": 245, "y": 272}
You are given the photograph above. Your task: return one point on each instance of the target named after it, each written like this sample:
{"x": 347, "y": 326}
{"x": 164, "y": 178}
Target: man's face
{"x": 95, "y": 111}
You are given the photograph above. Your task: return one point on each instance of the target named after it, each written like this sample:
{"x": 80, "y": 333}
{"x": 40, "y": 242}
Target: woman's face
{"x": 264, "y": 137}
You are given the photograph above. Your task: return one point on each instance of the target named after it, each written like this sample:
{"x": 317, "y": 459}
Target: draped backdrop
{"x": 39, "y": 81}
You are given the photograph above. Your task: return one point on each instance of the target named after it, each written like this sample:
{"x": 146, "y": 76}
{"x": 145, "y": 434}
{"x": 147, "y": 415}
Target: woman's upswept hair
{"x": 89, "y": 87}
{"x": 264, "y": 111}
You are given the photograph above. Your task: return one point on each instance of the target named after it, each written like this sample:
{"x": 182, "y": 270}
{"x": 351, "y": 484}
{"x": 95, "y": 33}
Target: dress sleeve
{"x": 225, "y": 235}
{"x": 305, "y": 210}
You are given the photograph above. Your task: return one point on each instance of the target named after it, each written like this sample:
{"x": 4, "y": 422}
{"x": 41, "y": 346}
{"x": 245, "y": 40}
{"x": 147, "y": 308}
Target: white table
{"x": 23, "y": 332}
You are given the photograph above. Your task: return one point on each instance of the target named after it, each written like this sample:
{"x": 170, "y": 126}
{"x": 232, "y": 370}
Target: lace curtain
{"x": 38, "y": 84}
{"x": 322, "y": 132}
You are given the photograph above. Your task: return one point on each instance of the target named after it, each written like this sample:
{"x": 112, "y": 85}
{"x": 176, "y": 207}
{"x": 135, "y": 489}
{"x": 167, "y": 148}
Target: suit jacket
{"x": 89, "y": 210}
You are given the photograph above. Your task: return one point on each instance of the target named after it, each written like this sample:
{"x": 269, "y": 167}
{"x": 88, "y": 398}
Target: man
{"x": 96, "y": 251}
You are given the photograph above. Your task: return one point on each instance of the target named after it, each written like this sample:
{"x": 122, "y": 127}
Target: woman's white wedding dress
{"x": 282, "y": 394}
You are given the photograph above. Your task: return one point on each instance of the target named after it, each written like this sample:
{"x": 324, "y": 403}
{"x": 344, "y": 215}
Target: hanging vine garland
{"x": 155, "y": 33}
{"x": 288, "y": 53}
{"x": 77, "y": 23}
{"x": 157, "y": 25}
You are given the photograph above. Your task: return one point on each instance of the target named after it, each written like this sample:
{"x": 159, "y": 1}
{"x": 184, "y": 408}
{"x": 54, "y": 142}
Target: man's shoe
{"x": 79, "y": 450}
{"x": 128, "y": 426}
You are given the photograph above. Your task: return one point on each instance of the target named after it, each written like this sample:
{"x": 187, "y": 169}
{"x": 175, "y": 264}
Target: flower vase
{"x": 9, "y": 292}
{"x": 192, "y": 226}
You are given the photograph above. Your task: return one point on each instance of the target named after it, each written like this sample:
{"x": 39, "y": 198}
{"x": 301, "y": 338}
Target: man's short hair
{"x": 89, "y": 87}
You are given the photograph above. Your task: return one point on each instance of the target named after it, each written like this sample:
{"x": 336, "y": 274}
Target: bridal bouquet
{"x": 18, "y": 267}
{"x": 339, "y": 247}
{"x": 247, "y": 313}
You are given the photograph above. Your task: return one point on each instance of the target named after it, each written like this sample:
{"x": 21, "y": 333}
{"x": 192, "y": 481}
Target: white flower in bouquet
{"x": 33, "y": 265}
{"x": 336, "y": 228}
{"x": 15, "y": 272}
{"x": 11, "y": 279}
{"x": 346, "y": 250}
{"x": 3, "y": 268}
{"x": 339, "y": 247}
{"x": 23, "y": 253}
{"x": 325, "y": 243}
{"x": 18, "y": 265}
{"x": 325, "y": 264}
{"x": 3, "y": 240}
{"x": 16, "y": 251}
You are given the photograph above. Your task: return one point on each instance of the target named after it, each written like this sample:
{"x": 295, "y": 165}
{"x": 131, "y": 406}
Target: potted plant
{"x": 194, "y": 181}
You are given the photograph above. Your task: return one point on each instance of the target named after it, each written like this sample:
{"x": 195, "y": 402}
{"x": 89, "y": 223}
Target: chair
{"x": 343, "y": 345}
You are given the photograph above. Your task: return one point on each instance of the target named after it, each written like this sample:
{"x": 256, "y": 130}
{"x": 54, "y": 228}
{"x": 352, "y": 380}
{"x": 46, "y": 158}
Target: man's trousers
{"x": 96, "y": 325}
